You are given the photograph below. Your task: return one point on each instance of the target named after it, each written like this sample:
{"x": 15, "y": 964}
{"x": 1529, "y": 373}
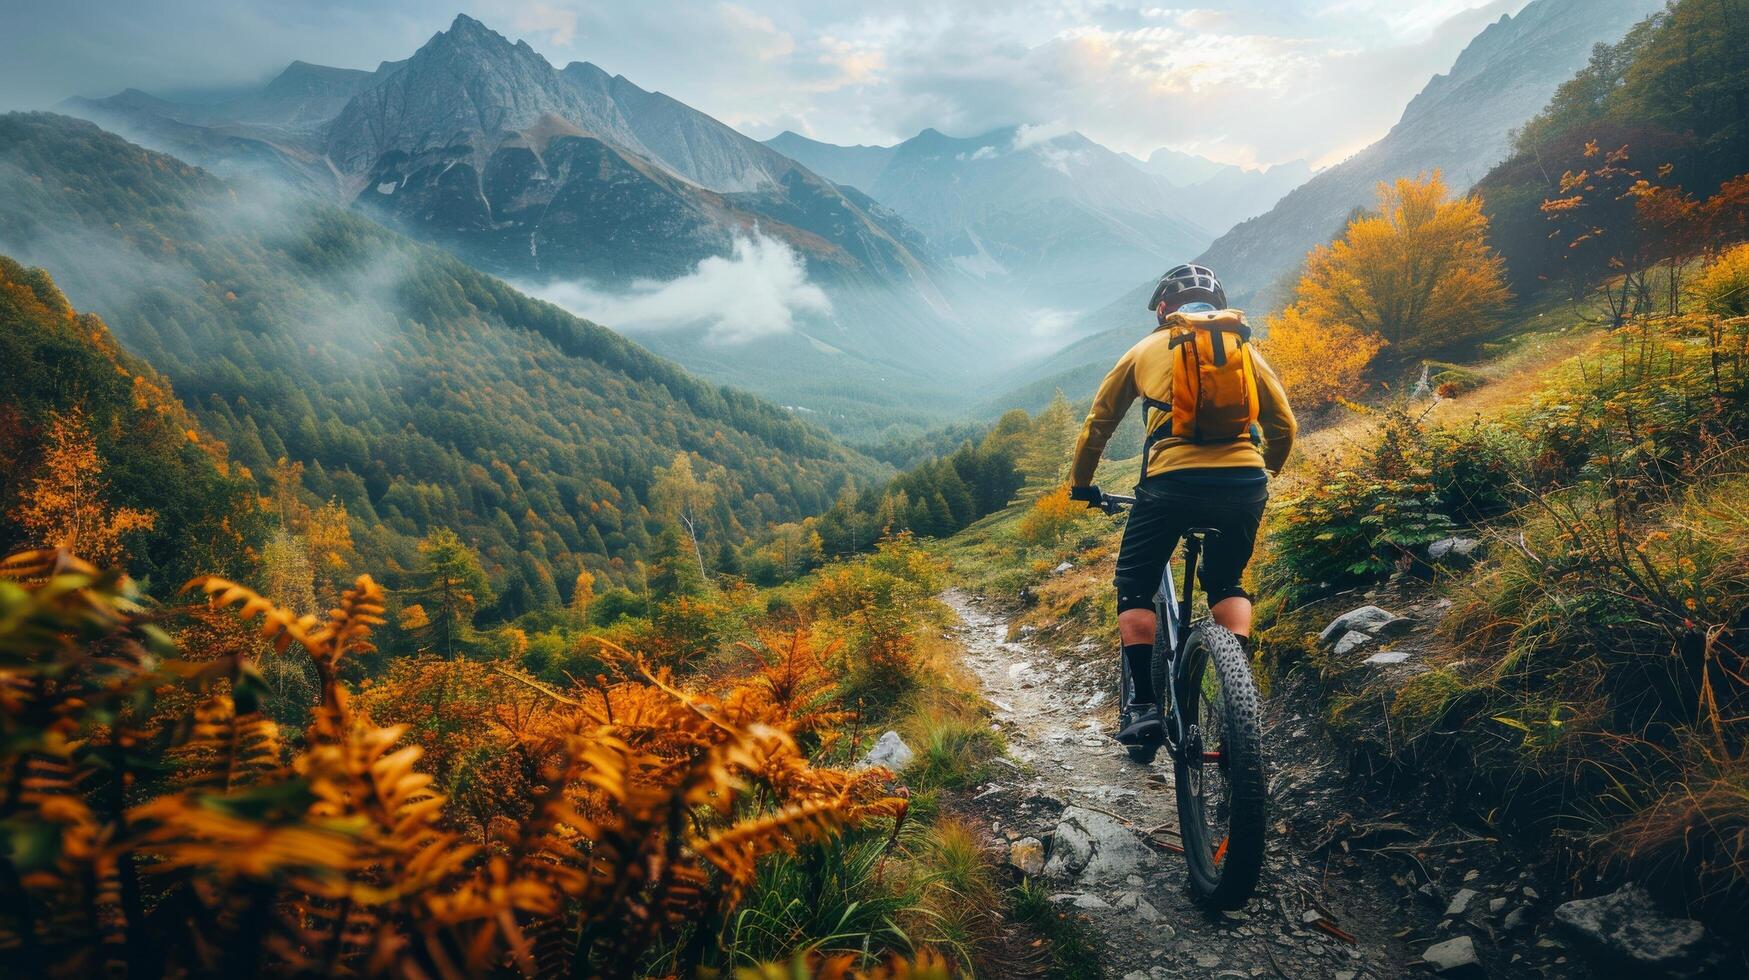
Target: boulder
{"x": 1351, "y": 641}
{"x": 1624, "y": 934}
{"x": 1027, "y": 855}
{"x": 1454, "y": 958}
{"x": 1365, "y": 619}
{"x": 1454, "y": 552}
{"x": 1093, "y": 848}
{"x": 890, "y": 751}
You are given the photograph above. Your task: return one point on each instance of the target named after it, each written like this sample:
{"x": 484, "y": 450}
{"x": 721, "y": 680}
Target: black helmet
{"x": 1189, "y": 284}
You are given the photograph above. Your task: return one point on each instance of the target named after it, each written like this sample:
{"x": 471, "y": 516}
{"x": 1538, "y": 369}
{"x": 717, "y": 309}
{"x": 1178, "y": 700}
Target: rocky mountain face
{"x": 1219, "y": 195}
{"x": 1459, "y": 124}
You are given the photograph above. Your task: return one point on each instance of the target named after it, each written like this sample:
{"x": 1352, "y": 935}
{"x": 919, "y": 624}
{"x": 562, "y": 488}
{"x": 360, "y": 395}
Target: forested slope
{"x": 417, "y": 391}
{"x": 88, "y": 432}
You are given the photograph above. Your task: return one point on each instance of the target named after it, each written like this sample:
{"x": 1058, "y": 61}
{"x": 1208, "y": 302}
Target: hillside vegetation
{"x": 413, "y": 391}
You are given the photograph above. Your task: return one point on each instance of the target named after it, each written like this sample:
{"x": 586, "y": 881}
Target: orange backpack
{"x": 1214, "y": 383}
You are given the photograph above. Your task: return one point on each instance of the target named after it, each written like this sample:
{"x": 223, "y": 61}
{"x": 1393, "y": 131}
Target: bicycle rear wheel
{"x": 1222, "y": 794}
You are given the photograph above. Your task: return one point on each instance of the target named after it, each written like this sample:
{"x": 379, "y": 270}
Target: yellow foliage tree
{"x": 1418, "y": 273}
{"x": 583, "y": 594}
{"x": 64, "y": 505}
{"x": 1318, "y": 362}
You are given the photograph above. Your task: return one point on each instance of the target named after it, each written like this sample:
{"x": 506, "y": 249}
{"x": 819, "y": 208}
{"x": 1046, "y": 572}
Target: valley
{"x": 484, "y": 516}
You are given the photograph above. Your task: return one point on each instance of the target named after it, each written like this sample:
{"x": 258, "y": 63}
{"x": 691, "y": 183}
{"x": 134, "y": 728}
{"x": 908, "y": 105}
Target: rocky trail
{"x": 1351, "y": 889}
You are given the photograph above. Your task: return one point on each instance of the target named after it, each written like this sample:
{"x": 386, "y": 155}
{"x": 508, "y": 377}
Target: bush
{"x": 1349, "y": 525}
{"x": 1052, "y": 516}
{"x": 1723, "y": 288}
{"x": 1476, "y": 470}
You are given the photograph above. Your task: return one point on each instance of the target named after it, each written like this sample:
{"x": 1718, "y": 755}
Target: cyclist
{"x": 1219, "y": 420}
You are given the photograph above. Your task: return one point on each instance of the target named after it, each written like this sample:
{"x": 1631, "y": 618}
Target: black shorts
{"x": 1164, "y": 510}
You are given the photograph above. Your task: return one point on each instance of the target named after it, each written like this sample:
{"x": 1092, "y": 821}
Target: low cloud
{"x": 1027, "y": 136}
{"x": 759, "y": 290}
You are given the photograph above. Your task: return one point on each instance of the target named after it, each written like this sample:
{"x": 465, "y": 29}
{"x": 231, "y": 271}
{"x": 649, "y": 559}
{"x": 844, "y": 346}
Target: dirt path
{"x": 1055, "y": 710}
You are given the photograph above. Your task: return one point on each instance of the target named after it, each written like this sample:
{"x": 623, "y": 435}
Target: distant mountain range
{"x": 541, "y": 175}
{"x": 1460, "y": 123}
{"x": 1055, "y": 219}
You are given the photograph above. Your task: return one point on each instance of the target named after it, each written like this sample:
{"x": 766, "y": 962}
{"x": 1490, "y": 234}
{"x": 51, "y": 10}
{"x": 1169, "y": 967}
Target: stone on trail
{"x": 1028, "y": 856}
{"x": 1064, "y": 567}
{"x": 890, "y": 751}
{"x": 1455, "y": 552}
{"x": 1454, "y": 958}
{"x": 1351, "y": 641}
{"x": 1460, "y": 903}
{"x": 1365, "y": 619}
{"x": 1132, "y": 902}
{"x": 1092, "y": 847}
{"x": 1624, "y": 933}
{"x": 1387, "y": 657}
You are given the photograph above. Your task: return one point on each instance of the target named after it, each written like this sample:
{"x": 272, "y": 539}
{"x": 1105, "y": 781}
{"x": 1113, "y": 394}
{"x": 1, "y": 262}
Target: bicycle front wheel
{"x": 1222, "y": 794}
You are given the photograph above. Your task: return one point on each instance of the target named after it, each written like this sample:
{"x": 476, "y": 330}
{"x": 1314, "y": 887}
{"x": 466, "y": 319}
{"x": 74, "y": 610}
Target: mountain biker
{"x": 1194, "y": 475}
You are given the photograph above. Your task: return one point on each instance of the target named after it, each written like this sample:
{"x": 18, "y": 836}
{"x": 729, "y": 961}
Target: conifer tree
{"x": 450, "y": 587}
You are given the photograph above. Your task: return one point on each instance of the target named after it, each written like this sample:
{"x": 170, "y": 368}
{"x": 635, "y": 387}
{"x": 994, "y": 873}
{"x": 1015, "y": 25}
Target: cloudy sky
{"x": 1245, "y": 81}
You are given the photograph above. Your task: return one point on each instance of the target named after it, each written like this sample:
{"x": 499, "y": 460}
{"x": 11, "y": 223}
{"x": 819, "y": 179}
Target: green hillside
{"x": 154, "y": 458}
{"x": 417, "y": 391}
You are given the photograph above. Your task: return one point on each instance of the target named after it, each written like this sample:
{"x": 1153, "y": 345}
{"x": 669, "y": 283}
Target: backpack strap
{"x": 1148, "y": 437}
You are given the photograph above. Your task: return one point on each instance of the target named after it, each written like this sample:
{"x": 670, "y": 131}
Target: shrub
{"x": 1476, "y": 469}
{"x": 1353, "y": 524}
{"x": 1723, "y": 288}
{"x": 1052, "y": 516}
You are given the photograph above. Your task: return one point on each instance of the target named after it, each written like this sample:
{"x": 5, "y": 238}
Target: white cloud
{"x": 758, "y": 290}
{"x": 1028, "y": 135}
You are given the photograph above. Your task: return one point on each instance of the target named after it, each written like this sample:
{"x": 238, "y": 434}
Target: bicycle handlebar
{"x": 1111, "y": 503}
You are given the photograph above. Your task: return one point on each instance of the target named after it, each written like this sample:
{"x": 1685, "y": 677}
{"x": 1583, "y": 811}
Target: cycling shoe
{"x": 1142, "y": 725}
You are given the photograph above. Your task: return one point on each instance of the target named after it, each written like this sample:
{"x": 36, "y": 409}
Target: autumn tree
{"x": 583, "y": 594}
{"x": 1417, "y": 274}
{"x": 1318, "y": 363}
{"x": 65, "y": 506}
{"x": 1044, "y": 460}
{"x": 681, "y": 497}
{"x": 450, "y": 586}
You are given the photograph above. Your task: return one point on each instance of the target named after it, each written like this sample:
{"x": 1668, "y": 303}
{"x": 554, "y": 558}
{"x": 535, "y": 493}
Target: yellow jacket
{"x": 1146, "y": 371}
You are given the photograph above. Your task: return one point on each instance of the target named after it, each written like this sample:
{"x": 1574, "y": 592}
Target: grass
{"x": 1590, "y": 685}
{"x": 1074, "y": 953}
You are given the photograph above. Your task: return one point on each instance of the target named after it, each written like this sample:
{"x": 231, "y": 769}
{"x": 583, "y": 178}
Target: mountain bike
{"x": 1213, "y": 734}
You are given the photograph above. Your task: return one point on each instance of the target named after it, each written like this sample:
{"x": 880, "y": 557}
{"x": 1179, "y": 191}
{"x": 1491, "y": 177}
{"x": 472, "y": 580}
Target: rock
{"x": 1027, "y": 855}
{"x": 1091, "y": 847}
{"x": 1395, "y": 627}
{"x": 1351, "y": 641}
{"x": 1430, "y": 891}
{"x": 1516, "y": 919}
{"x": 890, "y": 751}
{"x": 1454, "y": 958}
{"x": 1387, "y": 657}
{"x": 1460, "y": 903}
{"x": 1530, "y": 893}
{"x": 1132, "y": 902}
{"x": 1454, "y": 552}
{"x": 1060, "y": 569}
{"x": 1624, "y": 933}
{"x": 1365, "y": 618}
{"x": 1495, "y": 905}
{"x": 1208, "y": 961}
{"x": 1092, "y": 902}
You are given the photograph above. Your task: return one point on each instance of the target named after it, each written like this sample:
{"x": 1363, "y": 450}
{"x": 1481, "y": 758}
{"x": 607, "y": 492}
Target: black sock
{"x": 1141, "y": 660}
{"x": 1244, "y": 644}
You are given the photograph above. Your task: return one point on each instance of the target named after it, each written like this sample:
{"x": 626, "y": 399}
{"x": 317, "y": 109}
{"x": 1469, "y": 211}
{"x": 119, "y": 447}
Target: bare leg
{"x": 1137, "y": 626}
{"x": 1233, "y": 613}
